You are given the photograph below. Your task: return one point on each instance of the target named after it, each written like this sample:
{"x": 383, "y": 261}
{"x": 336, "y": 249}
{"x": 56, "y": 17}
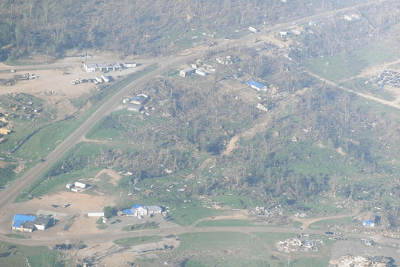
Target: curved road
{"x": 8, "y": 195}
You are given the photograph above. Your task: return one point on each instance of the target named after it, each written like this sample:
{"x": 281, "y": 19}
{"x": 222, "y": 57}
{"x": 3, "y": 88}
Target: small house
{"x": 369, "y": 223}
{"x": 201, "y": 73}
{"x": 154, "y": 209}
{"x": 186, "y": 72}
{"x": 256, "y": 85}
{"x": 23, "y": 222}
{"x": 28, "y": 223}
{"x": 140, "y": 99}
{"x": 129, "y": 65}
{"x": 70, "y": 185}
{"x": 139, "y": 210}
{"x": 81, "y": 185}
{"x": 134, "y": 107}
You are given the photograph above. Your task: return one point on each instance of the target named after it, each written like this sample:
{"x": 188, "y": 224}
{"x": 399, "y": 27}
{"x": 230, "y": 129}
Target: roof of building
{"x": 41, "y": 221}
{"x": 24, "y": 217}
{"x": 128, "y": 212}
{"x": 137, "y": 206}
{"x": 136, "y": 107}
{"x": 28, "y": 225}
{"x": 154, "y": 208}
{"x": 256, "y": 84}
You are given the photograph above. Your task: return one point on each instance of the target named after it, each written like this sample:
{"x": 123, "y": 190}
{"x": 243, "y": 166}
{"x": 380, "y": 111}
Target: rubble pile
{"x": 387, "y": 77}
{"x": 359, "y": 261}
{"x": 296, "y": 245}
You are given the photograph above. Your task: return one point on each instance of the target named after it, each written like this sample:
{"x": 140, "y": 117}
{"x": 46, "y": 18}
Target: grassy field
{"x": 334, "y": 222}
{"x": 133, "y": 241}
{"x": 345, "y": 65}
{"x": 233, "y": 249}
{"x": 15, "y": 255}
{"x": 360, "y": 86}
{"x": 48, "y": 183}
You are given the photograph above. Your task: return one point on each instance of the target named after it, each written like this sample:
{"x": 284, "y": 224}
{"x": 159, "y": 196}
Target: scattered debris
{"x": 360, "y": 261}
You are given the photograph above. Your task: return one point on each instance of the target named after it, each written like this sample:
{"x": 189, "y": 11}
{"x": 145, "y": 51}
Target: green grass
{"x": 334, "y": 222}
{"x": 359, "y": 85}
{"x": 100, "y": 224}
{"x": 46, "y": 183}
{"x": 14, "y": 255}
{"x": 348, "y": 64}
{"x": 132, "y": 241}
{"x": 233, "y": 249}
{"x": 226, "y": 223}
{"x": 18, "y": 236}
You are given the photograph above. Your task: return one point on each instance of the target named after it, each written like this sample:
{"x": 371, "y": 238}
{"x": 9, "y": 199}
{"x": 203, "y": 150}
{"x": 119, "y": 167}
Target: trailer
{"x": 253, "y": 30}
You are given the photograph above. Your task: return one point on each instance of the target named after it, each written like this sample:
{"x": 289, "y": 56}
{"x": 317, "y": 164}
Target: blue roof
{"x": 128, "y": 212}
{"x": 24, "y": 218}
{"x": 256, "y": 84}
{"x": 18, "y": 223}
{"x": 137, "y": 206}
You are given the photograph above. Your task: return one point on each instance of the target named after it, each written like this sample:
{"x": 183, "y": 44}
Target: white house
{"x": 129, "y": 65}
{"x": 154, "y": 209}
{"x": 80, "y": 185}
{"x": 186, "y": 72}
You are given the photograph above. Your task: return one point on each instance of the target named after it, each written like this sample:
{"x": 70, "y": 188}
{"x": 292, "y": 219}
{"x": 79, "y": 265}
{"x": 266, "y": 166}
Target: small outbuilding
{"x": 134, "y": 107}
{"x": 186, "y": 72}
{"x": 256, "y": 85}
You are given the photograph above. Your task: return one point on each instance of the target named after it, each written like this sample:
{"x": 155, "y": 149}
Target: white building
{"x": 80, "y": 185}
{"x": 186, "y": 72}
{"x": 96, "y": 214}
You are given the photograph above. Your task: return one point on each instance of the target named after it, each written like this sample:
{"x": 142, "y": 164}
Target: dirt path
{"x": 392, "y": 104}
{"x": 374, "y": 70}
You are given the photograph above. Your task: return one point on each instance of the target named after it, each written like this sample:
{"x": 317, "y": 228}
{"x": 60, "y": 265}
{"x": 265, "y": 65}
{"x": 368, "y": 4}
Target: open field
{"x": 345, "y": 65}
{"x": 17, "y": 255}
{"x": 237, "y": 249}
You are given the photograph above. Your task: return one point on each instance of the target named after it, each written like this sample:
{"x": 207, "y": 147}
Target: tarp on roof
{"x": 128, "y": 212}
{"x": 137, "y": 206}
{"x": 255, "y": 84}
{"x": 17, "y": 224}
{"x": 24, "y": 218}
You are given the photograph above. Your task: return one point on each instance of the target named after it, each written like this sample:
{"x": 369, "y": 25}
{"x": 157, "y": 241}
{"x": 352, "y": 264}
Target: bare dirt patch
{"x": 115, "y": 177}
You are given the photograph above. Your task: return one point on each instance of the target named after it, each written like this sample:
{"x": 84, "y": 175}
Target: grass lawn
{"x": 132, "y": 241}
{"x": 345, "y": 65}
{"x": 19, "y": 236}
{"x": 341, "y": 221}
{"x": 232, "y": 249}
{"x": 15, "y": 255}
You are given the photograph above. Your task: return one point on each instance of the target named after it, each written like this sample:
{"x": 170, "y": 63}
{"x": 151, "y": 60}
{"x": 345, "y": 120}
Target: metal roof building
{"x": 256, "y": 85}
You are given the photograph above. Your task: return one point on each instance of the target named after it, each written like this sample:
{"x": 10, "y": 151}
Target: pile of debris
{"x": 387, "y": 77}
{"x": 296, "y": 245}
{"x": 360, "y": 261}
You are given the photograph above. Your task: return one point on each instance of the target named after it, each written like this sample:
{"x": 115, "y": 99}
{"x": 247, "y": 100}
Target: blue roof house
{"x": 256, "y": 85}
{"x": 23, "y": 222}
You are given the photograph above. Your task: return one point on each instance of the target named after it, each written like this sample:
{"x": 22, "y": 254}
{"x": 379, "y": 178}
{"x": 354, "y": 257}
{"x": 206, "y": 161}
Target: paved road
{"x": 8, "y": 195}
